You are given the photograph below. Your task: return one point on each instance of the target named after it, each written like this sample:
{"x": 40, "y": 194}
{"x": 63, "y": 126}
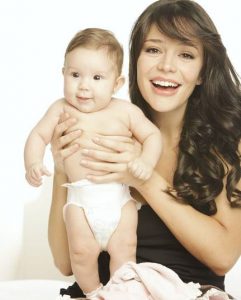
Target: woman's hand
{"x": 119, "y": 152}
{"x": 62, "y": 145}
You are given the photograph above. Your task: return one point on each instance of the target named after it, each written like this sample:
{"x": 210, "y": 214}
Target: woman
{"x": 182, "y": 78}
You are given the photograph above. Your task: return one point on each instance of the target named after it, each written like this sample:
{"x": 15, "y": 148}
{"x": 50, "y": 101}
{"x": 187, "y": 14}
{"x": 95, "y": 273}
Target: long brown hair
{"x": 208, "y": 147}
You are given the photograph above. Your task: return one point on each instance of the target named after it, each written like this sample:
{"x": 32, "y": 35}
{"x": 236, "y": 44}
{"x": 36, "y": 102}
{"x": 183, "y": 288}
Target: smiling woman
{"x": 194, "y": 194}
{"x": 181, "y": 60}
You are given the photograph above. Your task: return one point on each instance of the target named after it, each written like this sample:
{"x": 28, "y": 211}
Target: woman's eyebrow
{"x": 153, "y": 40}
{"x": 188, "y": 42}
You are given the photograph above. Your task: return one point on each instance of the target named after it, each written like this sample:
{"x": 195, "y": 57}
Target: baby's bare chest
{"x": 103, "y": 123}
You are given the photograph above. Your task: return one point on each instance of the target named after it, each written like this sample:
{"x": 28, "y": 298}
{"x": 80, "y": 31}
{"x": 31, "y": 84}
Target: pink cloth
{"x": 147, "y": 281}
{"x": 214, "y": 294}
{"x": 152, "y": 281}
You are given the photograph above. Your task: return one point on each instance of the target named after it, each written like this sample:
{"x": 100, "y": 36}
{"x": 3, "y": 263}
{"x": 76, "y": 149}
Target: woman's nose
{"x": 167, "y": 63}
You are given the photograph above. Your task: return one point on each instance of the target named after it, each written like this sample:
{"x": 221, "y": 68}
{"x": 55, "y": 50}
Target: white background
{"x": 34, "y": 35}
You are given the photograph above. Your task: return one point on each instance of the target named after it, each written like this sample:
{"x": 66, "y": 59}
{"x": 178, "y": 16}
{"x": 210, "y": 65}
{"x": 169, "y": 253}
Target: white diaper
{"x": 102, "y": 205}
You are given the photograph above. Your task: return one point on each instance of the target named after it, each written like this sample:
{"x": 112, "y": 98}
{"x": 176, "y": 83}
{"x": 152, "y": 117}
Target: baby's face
{"x": 90, "y": 79}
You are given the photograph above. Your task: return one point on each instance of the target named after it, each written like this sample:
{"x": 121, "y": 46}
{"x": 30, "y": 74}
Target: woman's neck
{"x": 169, "y": 123}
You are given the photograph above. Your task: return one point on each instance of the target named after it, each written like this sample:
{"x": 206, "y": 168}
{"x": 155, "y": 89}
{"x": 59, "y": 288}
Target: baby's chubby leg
{"x": 122, "y": 244}
{"x": 83, "y": 247}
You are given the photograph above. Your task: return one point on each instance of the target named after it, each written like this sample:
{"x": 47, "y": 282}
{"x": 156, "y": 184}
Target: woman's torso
{"x": 157, "y": 244}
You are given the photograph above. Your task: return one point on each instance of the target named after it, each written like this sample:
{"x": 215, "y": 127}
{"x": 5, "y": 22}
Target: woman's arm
{"x": 56, "y": 228}
{"x": 214, "y": 240}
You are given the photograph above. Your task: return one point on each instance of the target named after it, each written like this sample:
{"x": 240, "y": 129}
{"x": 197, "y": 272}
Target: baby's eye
{"x": 187, "y": 55}
{"x": 75, "y": 74}
{"x": 97, "y": 77}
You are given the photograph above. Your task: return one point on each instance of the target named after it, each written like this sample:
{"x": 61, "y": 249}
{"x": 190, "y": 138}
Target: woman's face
{"x": 168, "y": 71}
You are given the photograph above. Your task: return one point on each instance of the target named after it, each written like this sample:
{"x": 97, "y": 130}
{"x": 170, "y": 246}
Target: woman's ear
{"x": 199, "y": 81}
{"x": 119, "y": 83}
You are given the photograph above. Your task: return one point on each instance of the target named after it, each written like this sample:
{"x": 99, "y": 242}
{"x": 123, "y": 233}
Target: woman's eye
{"x": 97, "y": 77}
{"x": 152, "y": 50}
{"x": 75, "y": 74}
{"x": 187, "y": 56}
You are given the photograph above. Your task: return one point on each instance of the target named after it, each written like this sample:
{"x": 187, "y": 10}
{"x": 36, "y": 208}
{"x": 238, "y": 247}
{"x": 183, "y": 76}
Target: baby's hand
{"x": 34, "y": 174}
{"x": 140, "y": 169}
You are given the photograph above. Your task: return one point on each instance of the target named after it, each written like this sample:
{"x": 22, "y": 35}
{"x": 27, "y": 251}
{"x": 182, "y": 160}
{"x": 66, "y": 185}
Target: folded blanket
{"x": 152, "y": 281}
{"x": 148, "y": 281}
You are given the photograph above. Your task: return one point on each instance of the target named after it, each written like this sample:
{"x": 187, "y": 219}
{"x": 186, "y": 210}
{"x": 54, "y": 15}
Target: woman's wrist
{"x": 60, "y": 175}
{"x": 155, "y": 182}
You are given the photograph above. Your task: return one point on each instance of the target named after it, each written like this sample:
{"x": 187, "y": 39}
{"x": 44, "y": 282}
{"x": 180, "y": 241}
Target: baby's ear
{"x": 63, "y": 70}
{"x": 119, "y": 83}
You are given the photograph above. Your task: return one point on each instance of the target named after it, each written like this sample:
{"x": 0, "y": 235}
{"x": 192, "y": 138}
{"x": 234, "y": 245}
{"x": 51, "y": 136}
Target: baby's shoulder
{"x": 125, "y": 104}
{"x": 59, "y": 103}
{"x": 56, "y": 108}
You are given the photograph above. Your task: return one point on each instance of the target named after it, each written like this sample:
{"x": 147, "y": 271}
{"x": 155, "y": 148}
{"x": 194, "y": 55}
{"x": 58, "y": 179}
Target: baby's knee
{"x": 85, "y": 251}
{"x": 125, "y": 245}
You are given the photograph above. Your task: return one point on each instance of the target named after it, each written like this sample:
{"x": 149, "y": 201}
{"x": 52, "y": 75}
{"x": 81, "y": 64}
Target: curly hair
{"x": 211, "y": 133}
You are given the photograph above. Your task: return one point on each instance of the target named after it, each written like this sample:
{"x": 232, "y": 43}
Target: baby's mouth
{"x": 83, "y": 98}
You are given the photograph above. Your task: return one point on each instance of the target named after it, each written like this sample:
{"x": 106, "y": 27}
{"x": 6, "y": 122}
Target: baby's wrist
{"x": 33, "y": 165}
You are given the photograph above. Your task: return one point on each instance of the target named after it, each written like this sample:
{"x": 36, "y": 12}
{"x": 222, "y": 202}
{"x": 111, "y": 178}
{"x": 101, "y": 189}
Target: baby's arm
{"x": 150, "y": 138}
{"x": 38, "y": 139}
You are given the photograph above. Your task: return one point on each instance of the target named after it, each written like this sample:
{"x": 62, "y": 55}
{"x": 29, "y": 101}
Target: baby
{"x": 97, "y": 216}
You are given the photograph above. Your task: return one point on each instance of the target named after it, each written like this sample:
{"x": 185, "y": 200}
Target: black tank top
{"x": 157, "y": 244}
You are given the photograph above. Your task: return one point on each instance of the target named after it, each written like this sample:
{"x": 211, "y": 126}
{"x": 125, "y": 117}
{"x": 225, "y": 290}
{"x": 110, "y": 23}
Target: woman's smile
{"x": 168, "y": 68}
{"x": 165, "y": 87}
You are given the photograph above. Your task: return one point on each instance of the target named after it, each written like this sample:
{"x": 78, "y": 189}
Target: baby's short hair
{"x": 96, "y": 38}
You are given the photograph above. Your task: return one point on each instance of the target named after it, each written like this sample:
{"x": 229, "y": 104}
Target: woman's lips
{"x": 165, "y": 87}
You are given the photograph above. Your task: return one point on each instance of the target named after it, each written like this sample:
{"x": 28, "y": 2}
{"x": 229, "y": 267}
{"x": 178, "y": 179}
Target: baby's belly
{"x": 74, "y": 170}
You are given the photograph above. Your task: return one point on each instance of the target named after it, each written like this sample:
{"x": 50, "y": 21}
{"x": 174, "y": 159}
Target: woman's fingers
{"x": 66, "y": 139}
{"x": 60, "y": 141}
{"x": 115, "y": 177}
{"x": 102, "y": 166}
{"x": 115, "y": 144}
{"x": 120, "y": 138}
{"x": 123, "y": 157}
{"x": 64, "y": 153}
{"x": 65, "y": 122}
{"x": 63, "y": 117}
{"x": 112, "y": 177}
